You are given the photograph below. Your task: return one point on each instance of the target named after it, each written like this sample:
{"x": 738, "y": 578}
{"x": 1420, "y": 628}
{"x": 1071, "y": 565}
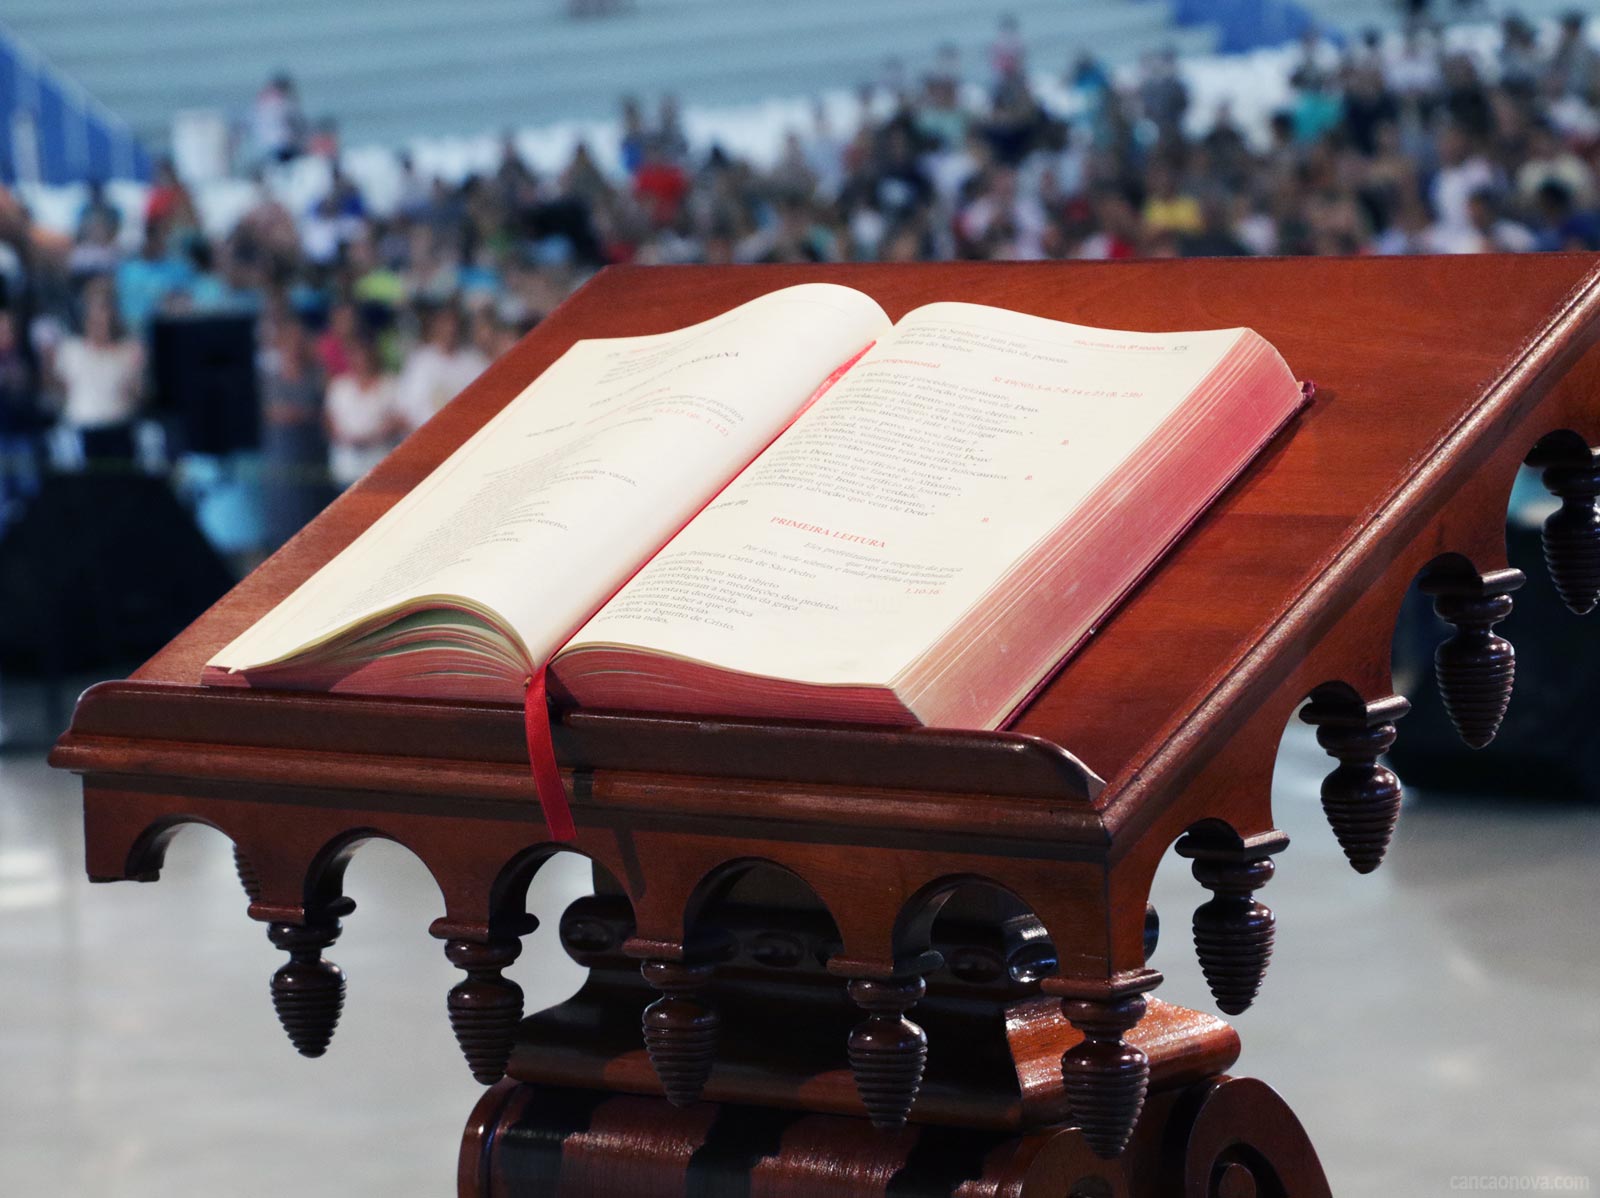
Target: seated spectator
{"x": 1169, "y": 209}
{"x": 323, "y": 140}
{"x": 1575, "y": 65}
{"x": 634, "y": 135}
{"x": 97, "y": 207}
{"x": 668, "y": 134}
{"x": 941, "y": 119}
{"x": 144, "y": 283}
{"x": 660, "y": 185}
{"x": 1367, "y": 107}
{"x": 1002, "y": 223}
{"x": 294, "y": 446}
{"x": 438, "y": 367}
{"x": 1411, "y": 229}
{"x": 269, "y": 225}
{"x": 1163, "y": 95}
{"x": 432, "y": 272}
{"x": 517, "y": 184}
{"x": 100, "y": 378}
{"x": 1412, "y": 71}
{"x": 335, "y": 345}
{"x": 170, "y": 204}
{"x": 1008, "y": 52}
{"x": 1492, "y": 231}
{"x": 20, "y": 417}
{"x": 1216, "y": 237}
{"x": 95, "y": 252}
{"x": 1118, "y": 233}
{"x": 277, "y": 125}
{"x": 1561, "y": 225}
{"x": 373, "y": 282}
{"x": 1551, "y": 160}
{"x": 1520, "y": 57}
{"x": 362, "y": 415}
{"x": 224, "y": 282}
{"x": 1016, "y": 122}
{"x": 1463, "y": 172}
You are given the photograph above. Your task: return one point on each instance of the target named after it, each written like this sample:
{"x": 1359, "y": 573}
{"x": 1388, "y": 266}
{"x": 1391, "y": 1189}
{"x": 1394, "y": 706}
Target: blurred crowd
{"x": 367, "y": 322}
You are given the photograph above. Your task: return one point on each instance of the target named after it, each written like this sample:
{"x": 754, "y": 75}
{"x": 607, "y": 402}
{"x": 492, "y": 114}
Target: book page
{"x": 551, "y": 505}
{"x": 889, "y": 508}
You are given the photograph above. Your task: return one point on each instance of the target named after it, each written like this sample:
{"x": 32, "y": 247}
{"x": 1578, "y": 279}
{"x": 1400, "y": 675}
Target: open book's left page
{"x": 490, "y": 563}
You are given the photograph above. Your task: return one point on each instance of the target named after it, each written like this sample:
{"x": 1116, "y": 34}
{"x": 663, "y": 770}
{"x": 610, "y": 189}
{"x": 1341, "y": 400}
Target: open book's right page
{"x": 886, "y": 513}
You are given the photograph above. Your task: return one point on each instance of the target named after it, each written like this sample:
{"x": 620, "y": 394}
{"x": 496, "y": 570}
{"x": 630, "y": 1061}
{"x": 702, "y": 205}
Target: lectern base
{"x": 1224, "y": 1138}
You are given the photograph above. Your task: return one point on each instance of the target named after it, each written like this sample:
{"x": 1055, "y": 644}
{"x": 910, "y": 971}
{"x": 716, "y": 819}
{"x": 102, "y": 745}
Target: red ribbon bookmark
{"x": 542, "y": 757}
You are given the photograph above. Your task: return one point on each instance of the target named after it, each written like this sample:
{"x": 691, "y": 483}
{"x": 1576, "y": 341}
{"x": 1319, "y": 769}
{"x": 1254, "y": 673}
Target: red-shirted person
{"x": 660, "y": 185}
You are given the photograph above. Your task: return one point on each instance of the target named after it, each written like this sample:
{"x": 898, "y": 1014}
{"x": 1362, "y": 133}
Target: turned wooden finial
{"x": 1360, "y": 797}
{"x": 1233, "y": 933}
{"x": 1572, "y": 534}
{"x": 247, "y": 875}
{"x": 1105, "y": 1077}
{"x": 887, "y": 1051}
{"x": 1475, "y": 668}
{"x": 485, "y": 1008}
{"x": 680, "y": 1028}
{"x": 308, "y": 990}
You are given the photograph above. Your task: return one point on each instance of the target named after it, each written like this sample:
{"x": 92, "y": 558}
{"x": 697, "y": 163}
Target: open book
{"x": 796, "y": 509}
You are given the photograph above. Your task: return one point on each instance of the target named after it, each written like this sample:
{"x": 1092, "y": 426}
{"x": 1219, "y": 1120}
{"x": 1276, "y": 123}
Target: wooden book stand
{"x": 854, "y": 962}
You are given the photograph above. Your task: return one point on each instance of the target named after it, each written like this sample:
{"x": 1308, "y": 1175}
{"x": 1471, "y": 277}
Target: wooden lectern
{"x": 847, "y": 961}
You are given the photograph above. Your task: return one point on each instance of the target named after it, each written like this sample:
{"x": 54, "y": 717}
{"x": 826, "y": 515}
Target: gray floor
{"x": 1434, "y": 1022}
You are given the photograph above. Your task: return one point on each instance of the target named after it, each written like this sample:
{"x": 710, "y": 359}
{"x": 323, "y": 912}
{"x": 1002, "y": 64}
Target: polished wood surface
{"x": 1436, "y": 378}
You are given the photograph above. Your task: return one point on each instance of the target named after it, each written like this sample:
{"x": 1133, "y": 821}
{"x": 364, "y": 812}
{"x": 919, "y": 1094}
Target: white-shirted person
{"x": 100, "y": 380}
{"x": 362, "y": 414}
{"x": 438, "y": 367}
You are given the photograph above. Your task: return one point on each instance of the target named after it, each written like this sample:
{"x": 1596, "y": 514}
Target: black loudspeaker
{"x": 101, "y": 570}
{"x": 204, "y": 373}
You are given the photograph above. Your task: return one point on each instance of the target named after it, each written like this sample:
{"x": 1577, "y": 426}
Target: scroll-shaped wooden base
{"x": 1221, "y": 1138}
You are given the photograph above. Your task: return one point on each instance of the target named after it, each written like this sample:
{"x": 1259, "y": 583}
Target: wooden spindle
{"x": 1233, "y": 933}
{"x": 1105, "y": 1077}
{"x": 680, "y": 1028}
{"x": 1360, "y": 797}
{"x": 247, "y": 875}
{"x": 1572, "y": 534}
{"x": 1475, "y": 668}
{"x": 486, "y": 1007}
{"x": 308, "y": 990}
{"x": 887, "y": 1051}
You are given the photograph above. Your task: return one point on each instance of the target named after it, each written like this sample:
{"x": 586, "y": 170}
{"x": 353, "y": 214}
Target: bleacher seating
{"x": 52, "y": 130}
{"x": 421, "y": 68}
